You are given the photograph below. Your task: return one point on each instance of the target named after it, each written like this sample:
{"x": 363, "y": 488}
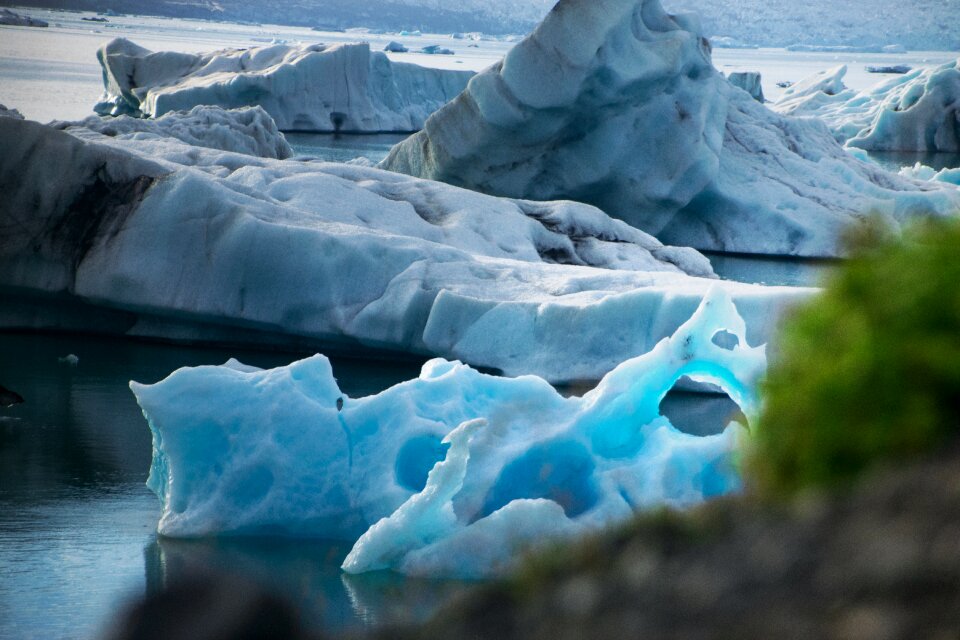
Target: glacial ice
{"x": 750, "y": 82}
{"x": 10, "y": 18}
{"x": 395, "y": 47}
{"x": 450, "y": 474}
{"x": 188, "y": 243}
{"x": 10, "y": 113}
{"x": 916, "y": 111}
{"x": 923, "y": 172}
{"x": 629, "y": 114}
{"x": 344, "y": 87}
{"x": 248, "y": 130}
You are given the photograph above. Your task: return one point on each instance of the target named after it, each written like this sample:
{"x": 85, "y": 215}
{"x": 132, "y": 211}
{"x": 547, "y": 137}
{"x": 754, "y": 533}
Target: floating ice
{"x": 916, "y": 111}
{"x": 238, "y": 450}
{"x": 10, "y": 18}
{"x": 343, "y": 87}
{"x": 617, "y": 104}
{"x": 435, "y": 49}
{"x": 923, "y": 172}
{"x": 750, "y": 82}
{"x": 395, "y": 47}
{"x": 10, "y": 113}
{"x": 897, "y": 69}
{"x": 249, "y": 130}
{"x": 193, "y": 244}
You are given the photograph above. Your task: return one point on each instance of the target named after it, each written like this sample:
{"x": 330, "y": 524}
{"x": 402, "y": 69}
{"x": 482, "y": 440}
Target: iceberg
{"x": 750, "y": 82}
{"x": 916, "y": 111}
{"x": 922, "y": 172}
{"x": 344, "y": 87}
{"x": 450, "y": 474}
{"x": 10, "y": 113}
{"x": 249, "y": 130}
{"x": 629, "y": 115}
{"x": 896, "y": 69}
{"x": 12, "y": 19}
{"x": 157, "y": 238}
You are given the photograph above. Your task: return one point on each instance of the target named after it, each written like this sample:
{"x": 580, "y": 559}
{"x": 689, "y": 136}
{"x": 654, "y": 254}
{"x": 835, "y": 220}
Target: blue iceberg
{"x": 455, "y": 473}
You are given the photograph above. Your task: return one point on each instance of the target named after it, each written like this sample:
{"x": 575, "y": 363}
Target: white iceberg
{"x": 452, "y": 473}
{"x": 916, "y": 111}
{"x": 248, "y": 130}
{"x": 343, "y": 87}
{"x": 922, "y": 172}
{"x": 629, "y": 114}
{"x": 188, "y": 243}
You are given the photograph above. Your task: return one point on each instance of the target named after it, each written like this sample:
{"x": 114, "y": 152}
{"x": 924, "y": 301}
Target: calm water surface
{"x": 342, "y": 148}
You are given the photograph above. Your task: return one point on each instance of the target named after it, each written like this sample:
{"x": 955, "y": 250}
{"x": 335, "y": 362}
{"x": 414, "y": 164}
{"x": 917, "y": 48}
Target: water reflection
{"x": 771, "y": 270}
{"x": 305, "y": 573}
{"x": 75, "y": 516}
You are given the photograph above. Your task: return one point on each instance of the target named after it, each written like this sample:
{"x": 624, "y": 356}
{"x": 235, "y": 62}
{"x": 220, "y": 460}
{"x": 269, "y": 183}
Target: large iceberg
{"x": 616, "y": 103}
{"x": 917, "y": 111}
{"x": 154, "y": 237}
{"x": 248, "y": 130}
{"x": 344, "y": 87}
{"x": 452, "y": 473}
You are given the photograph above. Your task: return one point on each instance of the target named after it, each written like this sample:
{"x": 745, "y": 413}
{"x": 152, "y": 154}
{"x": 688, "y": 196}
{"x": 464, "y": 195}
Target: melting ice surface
{"x": 454, "y": 473}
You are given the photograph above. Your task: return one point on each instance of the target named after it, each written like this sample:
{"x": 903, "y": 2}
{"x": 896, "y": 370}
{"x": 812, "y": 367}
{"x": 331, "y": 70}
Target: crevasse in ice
{"x": 453, "y": 473}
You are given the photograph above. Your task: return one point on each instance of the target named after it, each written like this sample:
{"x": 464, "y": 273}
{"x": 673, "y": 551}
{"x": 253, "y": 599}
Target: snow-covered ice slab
{"x": 616, "y": 103}
{"x": 453, "y": 473}
{"x": 195, "y": 244}
{"x": 343, "y": 87}
{"x": 917, "y": 111}
{"x": 248, "y": 130}
{"x": 923, "y": 172}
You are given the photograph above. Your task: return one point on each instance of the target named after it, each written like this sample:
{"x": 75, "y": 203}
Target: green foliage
{"x": 869, "y": 372}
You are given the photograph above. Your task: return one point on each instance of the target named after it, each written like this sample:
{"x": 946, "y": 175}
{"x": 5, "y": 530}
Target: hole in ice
{"x": 559, "y": 471}
{"x": 726, "y": 340}
{"x": 251, "y": 485}
{"x": 697, "y": 413}
{"x": 415, "y": 460}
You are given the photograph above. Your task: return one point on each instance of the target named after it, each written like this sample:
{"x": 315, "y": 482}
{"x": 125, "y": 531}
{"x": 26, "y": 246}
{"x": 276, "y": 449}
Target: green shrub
{"x": 869, "y": 371}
